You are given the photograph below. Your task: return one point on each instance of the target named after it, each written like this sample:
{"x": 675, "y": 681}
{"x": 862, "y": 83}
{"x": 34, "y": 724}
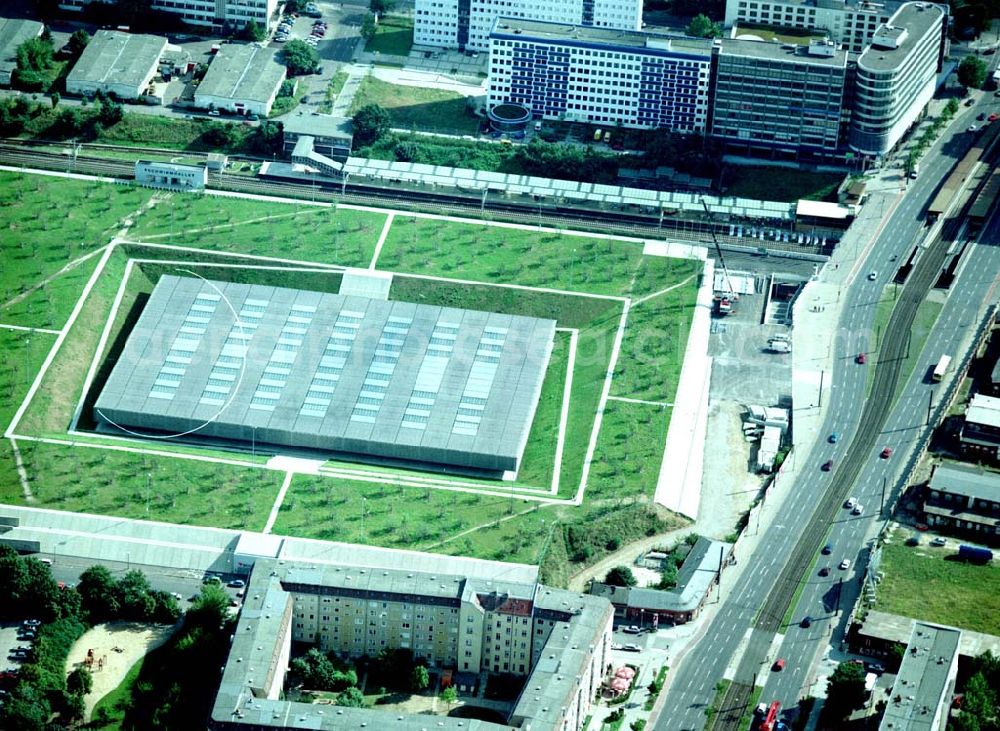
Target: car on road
{"x": 872, "y": 275}
{"x": 834, "y": 438}
{"x": 845, "y": 564}
{"x": 969, "y": 102}
{"x": 858, "y": 509}
{"x": 939, "y": 541}
{"x": 827, "y": 549}
{"x": 973, "y": 128}
{"x": 886, "y": 452}
{"x": 993, "y": 117}
{"x": 875, "y": 667}
{"x": 213, "y": 112}
{"x": 851, "y": 502}
{"x": 825, "y": 571}
{"x": 827, "y": 466}
{"x": 631, "y": 630}
{"x": 861, "y": 358}
{"x": 237, "y": 583}
{"x": 779, "y": 665}
{"x": 631, "y": 648}
{"x": 981, "y": 116}
{"x": 806, "y": 622}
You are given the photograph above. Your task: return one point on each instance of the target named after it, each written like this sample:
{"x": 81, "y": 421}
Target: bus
{"x": 941, "y": 368}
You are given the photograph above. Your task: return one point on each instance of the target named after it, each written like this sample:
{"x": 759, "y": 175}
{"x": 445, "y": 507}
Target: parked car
{"x": 886, "y": 452}
{"x": 212, "y": 579}
{"x": 237, "y": 583}
{"x": 981, "y": 116}
{"x": 973, "y": 128}
{"x": 31, "y": 623}
{"x": 631, "y": 630}
{"x": 872, "y": 275}
{"x": 993, "y": 117}
{"x": 969, "y": 102}
{"x": 631, "y": 648}
{"x": 939, "y": 542}
{"x": 213, "y": 112}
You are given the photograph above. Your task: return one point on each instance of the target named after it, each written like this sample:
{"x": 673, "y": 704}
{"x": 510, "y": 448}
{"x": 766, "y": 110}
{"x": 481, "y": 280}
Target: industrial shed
{"x": 332, "y": 372}
{"x": 116, "y": 63}
{"x": 14, "y": 32}
{"x": 241, "y": 78}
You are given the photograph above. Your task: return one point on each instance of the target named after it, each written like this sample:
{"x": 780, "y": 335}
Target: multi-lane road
{"x": 746, "y": 619}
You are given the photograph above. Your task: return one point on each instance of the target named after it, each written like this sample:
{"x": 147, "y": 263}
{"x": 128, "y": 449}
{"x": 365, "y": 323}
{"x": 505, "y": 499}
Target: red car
{"x": 993, "y": 117}
{"x": 862, "y": 358}
{"x": 779, "y": 665}
{"x": 886, "y": 453}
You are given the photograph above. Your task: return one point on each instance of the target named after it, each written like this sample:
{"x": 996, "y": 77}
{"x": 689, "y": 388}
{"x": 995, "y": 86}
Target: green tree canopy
{"x": 972, "y": 72}
{"x": 369, "y": 26}
{"x": 381, "y": 7}
{"x": 371, "y": 122}
{"x": 80, "y": 681}
{"x": 34, "y": 59}
{"x": 420, "y": 678}
{"x": 317, "y": 672}
{"x": 299, "y": 58}
{"x": 449, "y": 695}
{"x": 77, "y": 42}
{"x": 254, "y": 31}
{"x": 352, "y": 697}
{"x": 620, "y": 576}
{"x": 846, "y": 689}
{"x": 97, "y": 587}
{"x": 701, "y": 26}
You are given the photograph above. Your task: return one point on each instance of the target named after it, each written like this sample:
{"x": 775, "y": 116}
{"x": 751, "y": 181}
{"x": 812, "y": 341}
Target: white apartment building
{"x": 466, "y": 24}
{"x": 601, "y": 76}
{"x": 209, "y": 13}
{"x": 895, "y": 77}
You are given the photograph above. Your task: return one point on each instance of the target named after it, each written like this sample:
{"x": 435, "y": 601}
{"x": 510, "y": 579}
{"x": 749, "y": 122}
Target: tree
{"x": 951, "y": 107}
{"x": 371, "y": 123}
{"x": 299, "y": 58}
{"x": 449, "y": 695}
{"x": 267, "y": 138}
{"x": 352, "y": 697}
{"x": 369, "y": 26}
{"x": 77, "y": 42}
{"x": 701, "y": 26}
{"x": 209, "y": 610}
{"x": 846, "y": 689}
{"x": 73, "y": 705}
{"x": 638, "y": 725}
{"x": 668, "y": 578}
{"x": 253, "y": 31}
{"x": 620, "y": 576}
{"x": 972, "y": 72}
{"x": 420, "y": 678}
{"x": 98, "y": 594}
{"x": 55, "y": 99}
{"x": 80, "y": 681}
{"x": 381, "y": 7}
{"x": 34, "y": 59}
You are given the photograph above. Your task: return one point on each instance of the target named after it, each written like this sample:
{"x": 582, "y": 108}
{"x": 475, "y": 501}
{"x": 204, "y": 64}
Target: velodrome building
{"x": 345, "y": 373}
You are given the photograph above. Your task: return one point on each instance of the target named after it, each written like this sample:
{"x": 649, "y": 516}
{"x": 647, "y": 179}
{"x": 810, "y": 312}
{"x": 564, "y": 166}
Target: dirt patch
{"x": 113, "y": 649}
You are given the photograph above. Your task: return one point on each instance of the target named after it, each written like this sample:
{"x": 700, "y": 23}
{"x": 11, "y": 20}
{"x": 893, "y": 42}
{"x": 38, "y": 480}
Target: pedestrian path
{"x": 342, "y": 104}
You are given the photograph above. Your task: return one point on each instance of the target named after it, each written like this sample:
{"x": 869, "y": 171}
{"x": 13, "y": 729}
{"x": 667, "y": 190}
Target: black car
{"x": 825, "y": 571}
{"x": 981, "y": 116}
{"x": 827, "y": 549}
{"x": 806, "y": 622}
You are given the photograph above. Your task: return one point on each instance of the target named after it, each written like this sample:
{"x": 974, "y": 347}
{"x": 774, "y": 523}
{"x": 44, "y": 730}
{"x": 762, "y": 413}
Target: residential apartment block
{"x": 209, "y": 13}
{"x": 598, "y": 75}
{"x": 466, "y": 24}
{"x": 964, "y": 499}
{"x": 559, "y": 639}
{"x": 779, "y": 97}
{"x": 896, "y": 76}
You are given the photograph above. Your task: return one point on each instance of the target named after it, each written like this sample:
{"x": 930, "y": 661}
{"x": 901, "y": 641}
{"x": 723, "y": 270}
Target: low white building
{"x": 602, "y": 76}
{"x": 116, "y": 63}
{"x": 209, "y": 13}
{"x": 170, "y": 176}
{"x": 242, "y": 78}
{"x": 466, "y": 24}
{"x": 14, "y": 32}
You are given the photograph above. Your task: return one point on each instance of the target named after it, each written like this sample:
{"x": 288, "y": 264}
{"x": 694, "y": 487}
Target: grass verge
{"x": 416, "y": 107}
{"x": 780, "y": 184}
{"x": 393, "y": 36}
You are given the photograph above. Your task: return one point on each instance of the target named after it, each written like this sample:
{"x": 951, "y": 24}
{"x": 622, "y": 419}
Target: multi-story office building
{"x": 784, "y": 98}
{"x": 895, "y": 77}
{"x": 559, "y": 639}
{"x": 210, "y": 13}
{"x": 466, "y": 24}
{"x": 598, "y": 75}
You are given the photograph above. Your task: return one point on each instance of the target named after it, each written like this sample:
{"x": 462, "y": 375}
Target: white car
{"x": 858, "y": 509}
{"x": 845, "y": 564}
{"x": 973, "y": 128}
{"x": 851, "y": 502}
{"x": 872, "y": 276}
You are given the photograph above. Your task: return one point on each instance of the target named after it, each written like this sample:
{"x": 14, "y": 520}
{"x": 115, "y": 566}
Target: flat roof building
{"x": 895, "y": 77}
{"x": 781, "y": 97}
{"x": 980, "y": 435}
{"x": 964, "y": 499}
{"x": 466, "y": 24}
{"x": 242, "y": 78}
{"x": 559, "y": 639}
{"x": 921, "y": 695}
{"x": 171, "y": 176}
{"x": 384, "y": 379}
{"x": 559, "y": 71}
{"x": 116, "y": 63}
{"x": 208, "y": 13}
{"x": 331, "y": 136}
{"x": 14, "y": 32}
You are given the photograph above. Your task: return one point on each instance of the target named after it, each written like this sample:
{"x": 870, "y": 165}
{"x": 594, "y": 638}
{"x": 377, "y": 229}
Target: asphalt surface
{"x": 693, "y": 686}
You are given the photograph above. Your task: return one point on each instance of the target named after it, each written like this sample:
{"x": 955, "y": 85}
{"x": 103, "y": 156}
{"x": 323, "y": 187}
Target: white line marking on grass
{"x": 63, "y": 270}
{"x": 220, "y": 265}
{"x": 548, "y": 290}
{"x": 278, "y": 501}
{"x": 269, "y": 198}
{"x": 638, "y": 401}
{"x": 22, "y": 328}
{"x": 22, "y": 473}
{"x": 605, "y": 392}
{"x": 663, "y": 291}
{"x": 60, "y": 339}
{"x": 58, "y": 174}
{"x": 381, "y": 239}
{"x": 105, "y": 334}
{"x": 564, "y": 413}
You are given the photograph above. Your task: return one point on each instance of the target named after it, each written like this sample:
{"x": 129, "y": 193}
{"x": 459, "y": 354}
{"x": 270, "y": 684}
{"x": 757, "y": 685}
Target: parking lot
{"x": 9, "y": 644}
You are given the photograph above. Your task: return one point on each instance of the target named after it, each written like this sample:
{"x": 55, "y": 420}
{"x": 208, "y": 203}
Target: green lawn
{"x": 282, "y": 230}
{"x": 783, "y": 35}
{"x": 923, "y": 323}
{"x": 393, "y": 36}
{"x": 921, "y": 582}
{"x": 629, "y": 451}
{"x": 417, "y": 108}
{"x": 35, "y": 245}
{"x": 333, "y": 91}
{"x": 779, "y": 184}
{"x": 23, "y": 354}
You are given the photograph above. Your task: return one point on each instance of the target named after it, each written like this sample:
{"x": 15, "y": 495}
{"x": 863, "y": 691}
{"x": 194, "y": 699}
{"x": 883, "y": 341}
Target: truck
{"x": 974, "y": 554}
{"x": 779, "y": 344}
{"x": 770, "y": 720}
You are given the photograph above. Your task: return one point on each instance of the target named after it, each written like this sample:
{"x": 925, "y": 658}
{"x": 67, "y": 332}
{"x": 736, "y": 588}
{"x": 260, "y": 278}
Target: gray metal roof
{"x": 907, "y": 27}
{"x": 319, "y": 125}
{"x": 781, "y": 52}
{"x": 693, "y": 580}
{"x": 14, "y": 32}
{"x": 924, "y": 679}
{"x": 625, "y": 40}
{"x": 113, "y": 57}
{"x": 966, "y": 480}
{"x": 243, "y": 72}
{"x": 291, "y": 367}
{"x": 896, "y": 628}
{"x": 984, "y": 410}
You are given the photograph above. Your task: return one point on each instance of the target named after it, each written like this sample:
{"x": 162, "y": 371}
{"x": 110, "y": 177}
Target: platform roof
{"x": 336, "y": 373}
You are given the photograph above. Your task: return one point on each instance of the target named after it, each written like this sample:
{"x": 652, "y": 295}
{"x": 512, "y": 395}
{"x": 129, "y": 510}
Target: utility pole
{"x": 363, "y": 520}
{"x": 930, "y": 402}
{"x": 822, "y": 374}
{"x": 882, "y": 507}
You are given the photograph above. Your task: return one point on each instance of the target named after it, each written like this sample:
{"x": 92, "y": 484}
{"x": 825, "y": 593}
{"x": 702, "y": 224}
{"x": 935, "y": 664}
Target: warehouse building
{"x": 219, "y": 14}
{"x": 116, "y": 63}
{"x": 778, "y": 98}
{"x": 242, "y": 78}
{"x": 466, "y": 24}
{"x": 14, "y": 32}
{"x": 333, "y": 372}
{"x": 895, "y": 77}
{"x": 559, "y": 639}
{"x": 598, "y": 75}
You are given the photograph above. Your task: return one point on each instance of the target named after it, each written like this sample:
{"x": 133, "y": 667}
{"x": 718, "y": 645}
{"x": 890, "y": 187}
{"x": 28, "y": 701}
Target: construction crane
{"x": 723, "y": 302}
